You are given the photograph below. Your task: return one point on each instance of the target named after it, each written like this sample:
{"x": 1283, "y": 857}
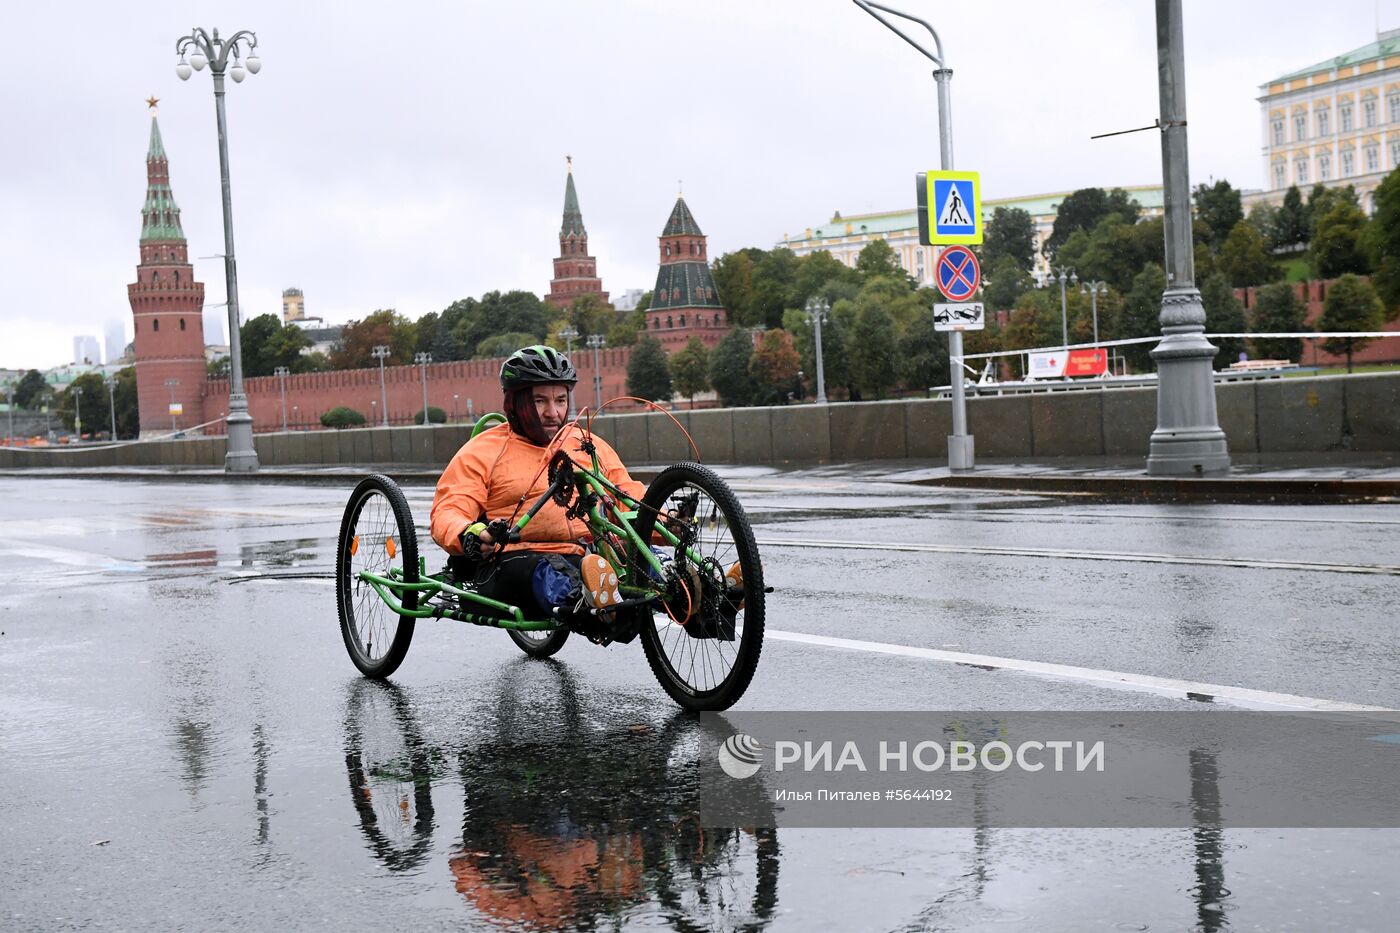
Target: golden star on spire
{"x": 151, "y": 102}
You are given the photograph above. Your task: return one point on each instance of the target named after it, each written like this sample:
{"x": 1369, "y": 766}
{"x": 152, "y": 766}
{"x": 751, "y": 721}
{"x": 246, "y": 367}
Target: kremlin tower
{"x": 575, "y": 272}
{"x": 167, "y": 304}
{"x": 685, "y": 303}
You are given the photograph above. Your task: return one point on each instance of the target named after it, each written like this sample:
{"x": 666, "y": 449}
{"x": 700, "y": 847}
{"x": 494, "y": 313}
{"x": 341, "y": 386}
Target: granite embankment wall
{"x": 1359, "y": 414}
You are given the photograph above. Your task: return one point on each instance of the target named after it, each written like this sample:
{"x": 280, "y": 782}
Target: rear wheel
{"x": 539, "y": 644}
{"x": 376, "y": 535}
{"x": 704, "y": 647}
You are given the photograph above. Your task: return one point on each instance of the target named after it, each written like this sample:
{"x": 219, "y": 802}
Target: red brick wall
{"x": 311, "y": 394}
{"x": 1313, "y": 294}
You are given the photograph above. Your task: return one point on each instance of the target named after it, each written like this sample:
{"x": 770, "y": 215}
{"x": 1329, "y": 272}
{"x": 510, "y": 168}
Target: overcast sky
{"x": 406, "y": 155}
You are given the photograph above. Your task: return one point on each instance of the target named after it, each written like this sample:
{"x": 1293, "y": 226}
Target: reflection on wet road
{"x": 186, "y": 745}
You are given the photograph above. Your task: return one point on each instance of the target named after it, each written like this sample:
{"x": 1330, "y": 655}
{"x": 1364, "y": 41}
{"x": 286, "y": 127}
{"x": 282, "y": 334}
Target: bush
{"x": 342, "y": 417}
{"x": 435, "y": 415}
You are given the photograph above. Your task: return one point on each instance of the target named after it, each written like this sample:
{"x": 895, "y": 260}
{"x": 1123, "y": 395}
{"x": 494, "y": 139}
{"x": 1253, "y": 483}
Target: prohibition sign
{"x": 957, "y": 273}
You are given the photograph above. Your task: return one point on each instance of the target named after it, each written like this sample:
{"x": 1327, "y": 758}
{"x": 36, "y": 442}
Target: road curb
{"x": 1172, "y": 489}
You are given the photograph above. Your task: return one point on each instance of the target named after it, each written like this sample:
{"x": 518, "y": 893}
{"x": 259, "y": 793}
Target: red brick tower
{"x": 575, "y": 272}
{"x": 168, "y": 306}
{"x": 685, "y": 303}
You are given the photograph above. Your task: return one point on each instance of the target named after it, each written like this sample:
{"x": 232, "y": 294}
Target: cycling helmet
{"x": 537, "y": 365}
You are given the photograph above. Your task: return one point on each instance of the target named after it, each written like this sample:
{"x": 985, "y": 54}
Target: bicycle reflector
{"x": 391, "y": 547}
{"x": 354, "y": 545}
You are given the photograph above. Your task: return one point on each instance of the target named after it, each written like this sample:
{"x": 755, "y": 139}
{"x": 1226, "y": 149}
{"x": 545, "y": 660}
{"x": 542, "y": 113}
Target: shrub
{"x": 342, "y": 417}
{"x": 435, "y": 415}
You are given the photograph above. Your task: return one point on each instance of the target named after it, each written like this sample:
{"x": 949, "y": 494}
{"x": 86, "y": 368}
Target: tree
{"x": 729, "y": 368}
{"x": 774, "y": 286}
{"x": 503, "y": 345}
{"x": 733, "y": 275}
{"x": 425, "y": 330}
{"x": 878, "y": 259}
{"x": 1336, "y": 246}
{"x": 873, "y": 351}
{"x": 648, "y": 375}
{"x": 267, "y": 343}
{"x": 1224, "y": 315}
{"x": 627, "y": 328}
{"x": 1010, "y": 235}
{"x": 1382, "y": 241}
{"x": 1352, "y": 304}
{"x": 1277, "y": 310}
{"x": 1006, "y": 283}
{"x": 383, "y": 327}
{"x": 30, "y": 386}
{"x": 774, "y": 367}
{"x": 1141, "y": 308}
{"x": 1081, "y": 210}
{"x": 923, "y": 356}
{"x": 816, "y": 272}
{"x": 342, "y": 416}
{"x": 1219, "y": 206}
{"x": 128, "y": 414}
{"x": 589, "y": 315}
{"x": 92, "y": 404}
{"x": 1244, "y": 257}
{"x": 1291, "y": 221}
{"x": 690, "y": 369}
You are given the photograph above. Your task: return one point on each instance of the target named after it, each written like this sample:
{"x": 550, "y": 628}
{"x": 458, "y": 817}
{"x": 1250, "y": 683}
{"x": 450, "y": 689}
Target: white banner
{"x": 1047, "y": 364}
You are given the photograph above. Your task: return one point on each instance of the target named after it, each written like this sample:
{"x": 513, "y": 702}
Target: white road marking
{"x": 1164, "y": 686}
{"x": 1253, "y": 563}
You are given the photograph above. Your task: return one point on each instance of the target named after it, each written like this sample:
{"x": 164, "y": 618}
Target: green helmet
{"x": 537, "y": 365}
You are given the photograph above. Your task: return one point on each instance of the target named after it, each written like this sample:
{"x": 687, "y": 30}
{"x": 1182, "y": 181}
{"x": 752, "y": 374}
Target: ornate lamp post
{"x": 111, "y": 381}
{"x": 171, "y": 384}
{"x": 78, "y": 411}
{"x": 816, "y": 312}
{"x": 569, "y": 334}
{"x": 454, "y": 407}
{"x": 423, "y": 359}
{"x": 1094, "y": 290}
{"x": 1063, "y": 275}
{"x": 597, "y": 342}
{"x": 281, "y": 373}
{"x": 380, "y": 351}
{"x": 206, "y": 49}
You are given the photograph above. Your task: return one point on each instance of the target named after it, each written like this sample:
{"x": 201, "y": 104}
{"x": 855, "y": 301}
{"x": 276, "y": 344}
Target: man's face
{"x": 552, "y": 405}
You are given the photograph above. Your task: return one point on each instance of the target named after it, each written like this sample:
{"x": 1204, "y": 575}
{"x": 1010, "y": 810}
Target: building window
{"x": 675, "y": 294}
{"x": 1300, "y": 171}
{"x": 1324, "y": 122}
{"x": 1395, "y": 153}
{"x": 1300, "y": 126}
{"x": 668, "y": 322}
{"x": 716, "y": 319}
{"x": 668, "y": 249}
{"x": 1368, "y": 112}
{"x": 155, "y": 323}
{"x": 1278, "y": 174}
{"x": 1324, "y": 167}
{"x": 182, "y": 323}
{"x": 1348, "y": 164}
{"x": 1373, "y": 158}
{"x": 1278, "y": 131}
{"x": 1344, "y": 113}
{"x": 1394, "y": 106}
{"x": 682, "y": 320}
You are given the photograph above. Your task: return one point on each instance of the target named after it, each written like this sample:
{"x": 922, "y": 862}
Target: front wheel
{"x": 377, "y": 536}
{"x": 704, "y": 647}
{"x": 541, "y": 644}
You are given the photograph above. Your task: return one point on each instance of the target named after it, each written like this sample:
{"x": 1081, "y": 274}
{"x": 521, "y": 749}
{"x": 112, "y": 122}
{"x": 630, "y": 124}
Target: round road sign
{"x": 957, "y": 273}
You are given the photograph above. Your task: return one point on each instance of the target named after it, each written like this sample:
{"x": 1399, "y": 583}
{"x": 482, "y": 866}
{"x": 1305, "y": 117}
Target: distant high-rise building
{"x": 114, "y": 338}
{"x": 629, "y": 300}
{"x": 293, "y": 305}
{"x": 86, "y": 350}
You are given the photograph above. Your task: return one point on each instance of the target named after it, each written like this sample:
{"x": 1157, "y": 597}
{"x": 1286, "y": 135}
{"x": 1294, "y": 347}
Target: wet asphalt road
{"x": 186, "y": 745}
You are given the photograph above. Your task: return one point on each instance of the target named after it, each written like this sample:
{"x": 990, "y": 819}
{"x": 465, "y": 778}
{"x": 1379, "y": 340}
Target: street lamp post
{"x": 423, "y": 359}
{"x": 11, "y": 407}
{"x": 1063, "y": 276}
{"x": 111, "y": 381}
{"x": 171, "y": 384}
{"x": 569, "y": 334}
{"x": 206, "y": 49}
{"x": 961, "y": 446}
{"x": 1094, "y": 290}
{"x": 380, "y": 351}
{"x": 1188, "y": 439}
{"x": 281, "y": 373}
{"x": 454, "y": 407}
{"x": 78, "y": 411}
{"x": 597, "y": 342}
{"x": 816, "y": 311}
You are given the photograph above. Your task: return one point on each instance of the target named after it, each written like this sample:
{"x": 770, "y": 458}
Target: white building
{"x": 114, "y": 338}
{"x": 86, "y": 350}
{"x": 629, "y": 299}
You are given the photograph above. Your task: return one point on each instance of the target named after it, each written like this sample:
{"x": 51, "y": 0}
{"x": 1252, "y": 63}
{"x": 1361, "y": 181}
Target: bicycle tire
{"x": 365, "y": 618}
{"x": 542, "y": 644}
{"x": 680, "y": 686}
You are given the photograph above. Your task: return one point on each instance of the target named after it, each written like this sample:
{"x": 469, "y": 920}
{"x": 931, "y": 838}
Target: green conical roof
{"x": 681, "y": 221}
{"x": 573, "y": 217}
{"x": 160, "y": 215}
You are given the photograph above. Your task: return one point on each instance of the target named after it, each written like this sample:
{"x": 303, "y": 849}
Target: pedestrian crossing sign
{"x": 950, "y": 208}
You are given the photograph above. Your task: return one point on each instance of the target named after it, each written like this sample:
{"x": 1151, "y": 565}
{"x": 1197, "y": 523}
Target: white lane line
{"x": 1165, "y": 686}
{"x": 1259, "y": 564}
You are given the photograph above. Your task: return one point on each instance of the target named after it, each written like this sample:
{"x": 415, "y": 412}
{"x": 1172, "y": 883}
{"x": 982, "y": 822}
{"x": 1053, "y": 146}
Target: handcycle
{"x": 696, "y": 598}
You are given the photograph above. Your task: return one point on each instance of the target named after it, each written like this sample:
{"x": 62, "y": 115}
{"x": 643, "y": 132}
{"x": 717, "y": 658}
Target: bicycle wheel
{"x": 376, "y": 535}
{"x": 705, "y": 648}
{"x": 539, "y": 644}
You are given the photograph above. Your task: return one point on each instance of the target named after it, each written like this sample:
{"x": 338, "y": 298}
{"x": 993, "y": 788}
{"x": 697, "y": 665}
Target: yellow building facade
{"x": 1334, "y": 123}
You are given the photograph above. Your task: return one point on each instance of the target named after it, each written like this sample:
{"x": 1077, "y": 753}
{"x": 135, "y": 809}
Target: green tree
{"x": 1219, "y": 206}
{"x": 1081, "y": 210}
{"x": 1351, "y": 305}
{"x": 86, "y": 394}
{"x": 1224, "y": 315}
{"x": 1244, "y": 257}
{"x": 690, "y": 369}
{"x": 627, "y": 328}
{"x": 30, "y": 386}
{"x": 1291, "y": 221}
{"x": 503, "y": 345}
{"x": 425, "y": 330}
{"x": 514, "y": 312}
{"x": 729, "y": 368}
{"x": 648, "y": 375}
{"x": 873, "y": 351}
{"x": 589, "y": 314}
{"x": 1382, "y": 241}
{"x": 1035, "y": 321}
{"x": 834, "y": 360}
{"x": 1141, "y": 308}
{"x": 128, "y": 414}
{"x": 1006, "y": 284}
{"x": 876, "y": 260}
{"x": 1336, "y": 246}
{"x": 733, "y": 274}
{"x": 774, "y": 367}
{"x": 268, "y": 343}
{"x": 1277, "y": 310}
{"x": 923, "y": 355}
{"x": 815, "y": 272}
{"x": 358, "y": 340}
{"x": 1010, "y": 235}
{"x": 435, "y": 415}
{"x": 342, "y": 416}
{"x": 774, "y": 287}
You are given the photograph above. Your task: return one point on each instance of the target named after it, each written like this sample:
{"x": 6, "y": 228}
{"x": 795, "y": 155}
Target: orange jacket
{"x": 490, "y": 474}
